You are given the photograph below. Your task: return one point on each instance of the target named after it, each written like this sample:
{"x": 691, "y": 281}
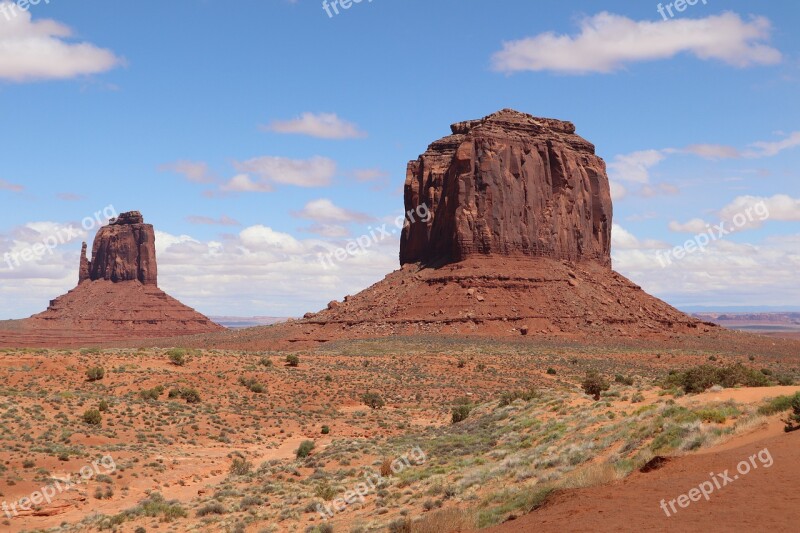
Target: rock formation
{"x": 517, "y": 245}
{"x": 508, "y": 184}
{"x": 125, "y": 250}
{"x": 117, "y": 297}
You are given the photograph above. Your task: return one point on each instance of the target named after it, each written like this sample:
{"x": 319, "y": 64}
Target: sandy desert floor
{"x": 208, "y": 440}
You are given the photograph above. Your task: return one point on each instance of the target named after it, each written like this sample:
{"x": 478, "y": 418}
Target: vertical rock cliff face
{"x": 125, "y": 250}
{"x": 509, "y": 184}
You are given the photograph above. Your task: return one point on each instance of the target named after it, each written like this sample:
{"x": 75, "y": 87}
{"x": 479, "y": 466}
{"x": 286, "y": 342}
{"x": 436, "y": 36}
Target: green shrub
{"x": 103, "y": 406}
{"x": 460, "y": 413}
{"x": 777, "y": 405}
{"x": 305, "y": 449}
{"x": 701, "y": 378}
{"x": 93, "y": 417}
{"x": 372, "y": 400}
{"x": 265, "y": 361}
{"x": 594, "y": 384}
{"x": 152, "y": 394}
{"x": 551, "y": 371}
{"x": 241, "y": 466}
{"x": 508, "y": 398}
{"x": 190, "y": 395}
{"x": 95, "y": 373}
{"x": 177, "y": 356}
{"x": 326, "y": 430}
{"x": 292, "y": 360}
{"x": 252, "y": 385}
{"x": 793, "y": 421}
{"x": 215, "y": 508}
{"x": 623, "y": 380}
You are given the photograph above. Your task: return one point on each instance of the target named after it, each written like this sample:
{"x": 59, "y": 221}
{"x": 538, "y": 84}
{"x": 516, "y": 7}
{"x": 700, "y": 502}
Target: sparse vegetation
{"x": 305, "y": 449}
{"x": 373, "y": 400}
{"x": 96, "y": 373}
{"x": 177, "y": 356}
{"x": 594, "y": 384}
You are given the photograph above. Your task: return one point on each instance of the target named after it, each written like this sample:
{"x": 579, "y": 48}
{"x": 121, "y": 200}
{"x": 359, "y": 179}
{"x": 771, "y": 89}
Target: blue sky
{"x": 256, "y": 134}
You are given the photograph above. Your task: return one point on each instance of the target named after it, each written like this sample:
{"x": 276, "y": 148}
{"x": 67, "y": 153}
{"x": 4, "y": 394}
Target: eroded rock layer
{"x": 508, "y": 184}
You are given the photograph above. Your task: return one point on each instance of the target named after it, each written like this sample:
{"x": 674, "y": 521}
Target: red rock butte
{"x": 117, "y": 298}
{"x": 517, "y": 245}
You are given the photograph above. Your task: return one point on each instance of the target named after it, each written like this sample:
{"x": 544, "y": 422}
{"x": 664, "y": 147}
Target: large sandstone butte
{"x": 517, "y": 244}
{"x": 509, "y": 184}
{"x": 117, "y": 298}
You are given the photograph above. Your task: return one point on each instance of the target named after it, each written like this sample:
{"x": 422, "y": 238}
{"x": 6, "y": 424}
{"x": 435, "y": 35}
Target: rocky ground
{"x": 208, "y": 440}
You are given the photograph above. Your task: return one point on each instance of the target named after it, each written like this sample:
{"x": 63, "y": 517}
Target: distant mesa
{"x": 117, "y": 297}
{"x": 518, "y": 244}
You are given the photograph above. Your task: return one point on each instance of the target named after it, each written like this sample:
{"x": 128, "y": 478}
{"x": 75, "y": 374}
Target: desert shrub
{"x": 265, "y": 361}
{"x": 785, "y": 380}
{"x": 793, "y": 421}
{"x": 292, "y": 360}
{"x": 305, "y": 449}
{"x": 177, "y": 356}
{"x": 154, "y": 393}
{"x": 460, "y": 413}
{"x": 637, "y": 397}
{"x": 326, "y": 430}
{"x": 325, "y": 492}
{"x": 701, "y": 378}
{"x": 401, "y": 525}
{"x": 211, "y": 508}
{"x": 551, "y": 371}
{"x": 103, "y": 406}
{"x": 372, "y": 400}
{"x": 189, "y": 394}
{"x": 252, "y": 385}
{"x": 95, "y": 373}
{"x": 241, "y": 466}
{"x": 93, "y": 417}
{"x": 508, "y": 398}
{"x": 594, "y": 385}
{"x": 461, "y": 363}
{"x": 623, "y": 380}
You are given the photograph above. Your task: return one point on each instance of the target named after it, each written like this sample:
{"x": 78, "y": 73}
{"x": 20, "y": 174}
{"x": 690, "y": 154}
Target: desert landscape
{"x": 501, "y": 356}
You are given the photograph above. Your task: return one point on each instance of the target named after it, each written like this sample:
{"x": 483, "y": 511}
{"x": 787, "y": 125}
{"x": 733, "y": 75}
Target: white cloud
{"x": 321, "y": 125}
{"x": 193, "y": 171}
{"x": 727, "y": 273}
{"x": 622, "y": 239}
{"x": 324, "y": 210}
{"x": 695, "y": 226}
{"x": 41, "y": 50}
{"x": 758, "y": 209}
{"x": 244, "y": 183}
{"x": 713, "y": 151}
{"x": 769, "y": 149}
{"x": 634, "y": 167}
{"x": 315, "y": 172}
{"x": 607, "y": 42}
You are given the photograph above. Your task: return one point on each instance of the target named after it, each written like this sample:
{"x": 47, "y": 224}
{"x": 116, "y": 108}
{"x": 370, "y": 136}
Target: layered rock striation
{"x": 508, "y": 184}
